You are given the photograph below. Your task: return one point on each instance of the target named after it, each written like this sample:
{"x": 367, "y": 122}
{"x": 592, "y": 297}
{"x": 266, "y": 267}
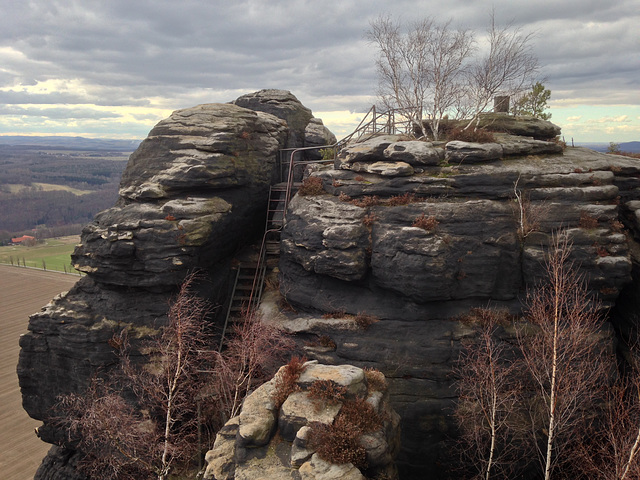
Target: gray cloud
{"x": 139, "y": 53}
{"x": 56, "y": 112}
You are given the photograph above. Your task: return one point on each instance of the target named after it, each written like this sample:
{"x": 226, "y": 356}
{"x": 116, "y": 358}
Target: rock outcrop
{"x": 272, "y": 442}
{"x": 407, "y": 236}
{"x": 192, "y": 195}
{"x": 415, "y": 252}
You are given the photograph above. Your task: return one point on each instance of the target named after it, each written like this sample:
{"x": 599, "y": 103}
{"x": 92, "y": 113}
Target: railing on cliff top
{"x": 390, "y": 122}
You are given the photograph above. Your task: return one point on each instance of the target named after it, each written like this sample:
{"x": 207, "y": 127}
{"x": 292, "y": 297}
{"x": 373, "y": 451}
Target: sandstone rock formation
{"x": 407, "y": 236}
{"x": 416, "y": 251}
{"x": 193, "y": 193}
{"x": 272, "y": 443}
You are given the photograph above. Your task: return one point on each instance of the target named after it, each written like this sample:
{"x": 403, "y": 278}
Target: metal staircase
{"x": 249, "y": 276}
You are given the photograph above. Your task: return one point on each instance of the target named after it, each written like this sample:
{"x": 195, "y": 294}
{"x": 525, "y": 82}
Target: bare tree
{"x": 428, "y": 72}
{"x": 254, "y": 351}
{"x": 420, "y": 71}
{"x": 563, "y": 356}
{"x": 143, "y": 421}
{"x": 507, "y": 68}
{"x": 489, "y": 391}
{"x": 613, "y": 449}
{"x": 529, "y": 215}
{"x": 147, "y": 436}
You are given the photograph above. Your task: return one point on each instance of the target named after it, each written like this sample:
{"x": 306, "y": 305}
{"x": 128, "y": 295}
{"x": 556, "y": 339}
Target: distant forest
{"x": 55, "y": 190}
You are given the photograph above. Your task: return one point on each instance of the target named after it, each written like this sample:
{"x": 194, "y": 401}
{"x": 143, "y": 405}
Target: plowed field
{"x": 23, "y": 291}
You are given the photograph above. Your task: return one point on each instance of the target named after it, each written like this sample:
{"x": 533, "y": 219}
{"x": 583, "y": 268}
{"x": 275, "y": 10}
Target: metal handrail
{"x": 226, "y": 319}
{"x": 390, "y": 125}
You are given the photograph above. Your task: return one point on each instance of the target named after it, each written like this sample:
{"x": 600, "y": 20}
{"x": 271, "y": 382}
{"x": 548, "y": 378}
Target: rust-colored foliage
{"x": 338, "y": 442}
{"x": 477, "y": 135}
{"x": 328, "y": 391}
{"x": 404, "y": 199}
{"x": 311, "y": 186}
{"x": 426, "y": 223}
{"x": 369, "y": 219}
{"x": 366, "y": 201}
{"x": 616, "y": 226}
{"x": 286, "y": 382}
{"x": 365, "y": 320}
{"x": 376, "y": 381}
{"x": 587, "y": 221}
{"x": 334, "y": 314}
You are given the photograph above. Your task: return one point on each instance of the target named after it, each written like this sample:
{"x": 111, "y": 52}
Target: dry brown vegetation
{"x": 311, "y": 186}
{"x": 426, "y": 223}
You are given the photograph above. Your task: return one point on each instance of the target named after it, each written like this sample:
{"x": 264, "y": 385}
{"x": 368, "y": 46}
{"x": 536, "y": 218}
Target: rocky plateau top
{"x": 406, "y": 234}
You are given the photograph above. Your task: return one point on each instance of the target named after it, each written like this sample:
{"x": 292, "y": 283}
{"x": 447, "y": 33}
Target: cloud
{"x": 574, "y": 118}
{"x": 165, "y": 55}
{"x": 618, "y": 119}
{"x": 57, "y": 112}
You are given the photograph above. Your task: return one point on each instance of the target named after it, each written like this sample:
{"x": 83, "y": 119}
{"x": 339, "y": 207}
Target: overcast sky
{"x": 114, "y": 68}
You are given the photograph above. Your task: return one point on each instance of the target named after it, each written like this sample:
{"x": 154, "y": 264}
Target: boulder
{"x": 519, "y": 125}
{"x": 414, "y": 153}
{"x": 457, "y": 152}
{"x": 513, "y": 145}
{"x": 284, "y": 105}
{"x": 288, "y": 450}
{"x": 367, "y": 150}
{"x": 195, "y": 185}
{"x": 318, "y": 469}
{"x": 317, "y": 135}
{"x": 386, "y": 169}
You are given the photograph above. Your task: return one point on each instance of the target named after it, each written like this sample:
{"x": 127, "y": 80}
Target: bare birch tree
{"x": 429, "y": 71}
{"x": 489, "y": 390}
{"x": 142, "y": 421}
{"x": 612, "y": 451}
{"x": 420, "y": 70}
{"x": 507, "y": 68}
{"x": 563, "y": 356}
{"x": 157, "y": 430}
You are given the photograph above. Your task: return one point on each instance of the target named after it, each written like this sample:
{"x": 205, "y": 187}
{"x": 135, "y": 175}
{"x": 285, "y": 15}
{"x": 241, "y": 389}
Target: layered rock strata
{"x": 271, "y": 442}
{"x": 192, "y": 195}
{"x": 408, "y": 234}
{"x": 415, "y": 251}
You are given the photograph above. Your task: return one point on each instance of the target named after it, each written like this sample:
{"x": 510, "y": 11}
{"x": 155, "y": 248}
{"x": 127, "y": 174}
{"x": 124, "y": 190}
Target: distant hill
{"x": 632, "y": 147}
{"x": 70, "y": 143}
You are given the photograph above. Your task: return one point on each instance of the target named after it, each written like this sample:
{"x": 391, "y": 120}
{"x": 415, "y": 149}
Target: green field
{"x": 53, "y": 254}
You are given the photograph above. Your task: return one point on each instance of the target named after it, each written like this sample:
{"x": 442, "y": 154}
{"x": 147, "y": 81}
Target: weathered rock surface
{"x": 344, "y": 259}
{"x": 195, "y": 186}
{"x": 414, "y": 153}
{"x": 521, "y": 125}
{"x": 287, "y": 454}
{"x": 284, "y": 105}
{"x": 196, "y": 190}
{"x": 317, "y": 135}
{"x": 193, "y": 193}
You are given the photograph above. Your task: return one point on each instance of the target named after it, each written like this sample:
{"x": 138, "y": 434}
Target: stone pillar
{"x": 501, "y": 104}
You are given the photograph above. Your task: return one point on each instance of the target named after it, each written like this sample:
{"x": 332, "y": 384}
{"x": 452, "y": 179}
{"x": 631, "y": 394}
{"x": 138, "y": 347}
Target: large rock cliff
{"x": 412, "y": 235}
{"x": 192, "y": 195}
{"x": 406, "y": 237}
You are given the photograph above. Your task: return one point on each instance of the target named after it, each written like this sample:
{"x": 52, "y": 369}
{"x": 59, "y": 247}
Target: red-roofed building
{"x": 24, "y": 240}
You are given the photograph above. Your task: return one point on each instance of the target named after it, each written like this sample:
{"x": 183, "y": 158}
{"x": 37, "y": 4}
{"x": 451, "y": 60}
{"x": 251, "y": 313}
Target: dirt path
{"x": 22, "y": 292}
